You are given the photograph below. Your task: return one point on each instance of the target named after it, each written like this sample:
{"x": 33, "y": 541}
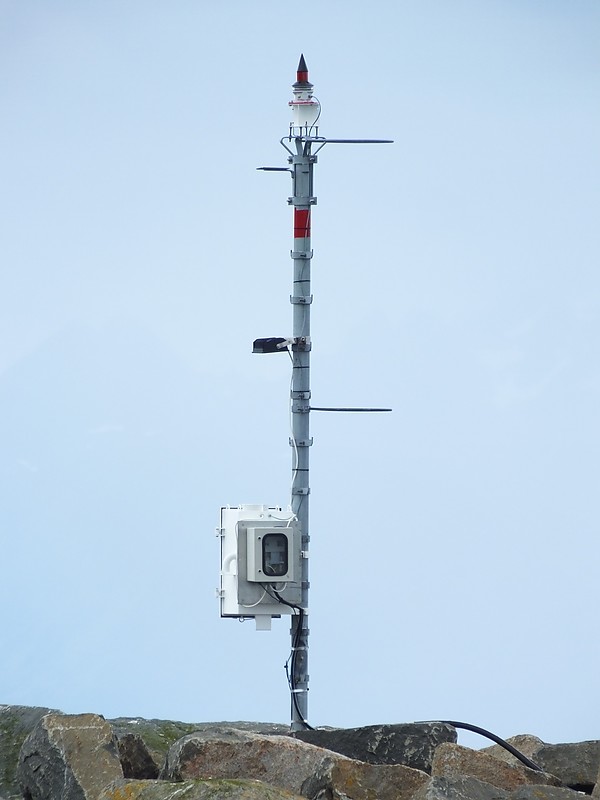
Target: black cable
{"x": 482, "y": 732}
{"x": 291, "y": 671}
{"x": 291, "y": 674}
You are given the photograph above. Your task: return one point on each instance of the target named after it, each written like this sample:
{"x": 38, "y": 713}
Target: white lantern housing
{"x": 305, "y": 108}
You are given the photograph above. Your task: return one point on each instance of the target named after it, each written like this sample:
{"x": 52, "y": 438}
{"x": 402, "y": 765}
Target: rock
{"x": 158, "y": 735}
{"x": 68, "y": 757}
{"x": 577, "y": 765}
{"x": 16, "y": 723}
{"x": 84, "y": 757}
{"x": 526, "y": 743}
{"x": 545, "y": 793}
{"x": 343, "y": 777}
{"x": 453, "y": 760}
{"x": 466, "y": 787}
{"x": 288, "y": 763}
{"x": 194, "y": 790}
{"x": 460, "y": 788}
{"x": 266, "y": 728}
{"x": 136, "y": 760}
{"x": 411, "y": 744}
{"x": 279, "y": 760}
{"x": 596, "y": 790}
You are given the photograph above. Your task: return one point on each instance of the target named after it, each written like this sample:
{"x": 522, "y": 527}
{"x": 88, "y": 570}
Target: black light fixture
{"x": 273, "y": 344}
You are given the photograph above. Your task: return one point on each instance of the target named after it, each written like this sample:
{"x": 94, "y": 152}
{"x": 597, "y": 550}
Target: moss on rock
{"x": 16, "y": 723}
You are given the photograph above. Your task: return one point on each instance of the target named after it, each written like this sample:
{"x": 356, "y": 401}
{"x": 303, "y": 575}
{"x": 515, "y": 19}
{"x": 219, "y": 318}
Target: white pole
{"x": 302, "y": 202}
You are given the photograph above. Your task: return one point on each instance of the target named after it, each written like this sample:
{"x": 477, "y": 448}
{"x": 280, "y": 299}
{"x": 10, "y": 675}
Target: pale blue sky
{"x": 455, "y": 547}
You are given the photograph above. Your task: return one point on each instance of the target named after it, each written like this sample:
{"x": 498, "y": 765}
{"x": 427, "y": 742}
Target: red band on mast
{"x": 301, "y": 223}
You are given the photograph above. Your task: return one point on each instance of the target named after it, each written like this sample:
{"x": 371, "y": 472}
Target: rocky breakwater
{"x": 46, "y": 755}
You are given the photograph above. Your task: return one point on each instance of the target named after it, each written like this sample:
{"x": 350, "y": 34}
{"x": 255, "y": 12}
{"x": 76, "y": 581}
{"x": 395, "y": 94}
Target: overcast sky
{"x": 455, "y": 543}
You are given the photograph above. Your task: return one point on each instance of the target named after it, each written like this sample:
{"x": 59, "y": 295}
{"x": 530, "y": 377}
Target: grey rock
{"x": 460, "y": 788}
{"x": 194, "y": 790}
{"x": 453, "y": 761}
{"x": 411, "y": 744}
{"x": 231, "y": 753}
{"x": 136, "y": 760}
{"x": 289, "y": 764}
{"x": 16, "y": 723}
{"x": 341, "y": 778}
{"x": 596, "y": 790}
{"x": 525, "y": 743}
{"x": 71, "y": 757}
{"x": 545, "y": 793}
{"x": 576, "y": 764}
{"x": 466, "y": 787}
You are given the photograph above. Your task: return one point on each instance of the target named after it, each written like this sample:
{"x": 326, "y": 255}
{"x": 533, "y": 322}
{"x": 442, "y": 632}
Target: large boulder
{"x": 71, "y": 757}
{"x": 341, "y": 778}
{"x": 460, "y": 787}
{"x": 576, "y": 764}
{"x": 453, "y": 761}
{"x": 289, "y": 764}
{"x": 411, "y": 744}
{"x": 466, "y": 787}
{"x": 545, "y": 793}
{"x": 194, "y": 790}
{"x": 527, "y": 744}
{"x": 16, "y": 723}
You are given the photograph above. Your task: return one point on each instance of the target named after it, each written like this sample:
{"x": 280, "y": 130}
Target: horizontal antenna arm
{"x": 322, "y": 408}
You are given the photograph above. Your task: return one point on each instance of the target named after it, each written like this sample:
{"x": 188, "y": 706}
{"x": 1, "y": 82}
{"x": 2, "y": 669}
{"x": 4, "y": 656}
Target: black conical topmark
{"x": 302, "y": 81}
{"x": 302, "y": 69}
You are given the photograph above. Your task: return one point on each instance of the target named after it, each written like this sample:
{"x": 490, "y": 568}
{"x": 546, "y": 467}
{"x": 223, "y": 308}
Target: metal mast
{"x": 303, "y": 134}
{"x": 306, "y": 114}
